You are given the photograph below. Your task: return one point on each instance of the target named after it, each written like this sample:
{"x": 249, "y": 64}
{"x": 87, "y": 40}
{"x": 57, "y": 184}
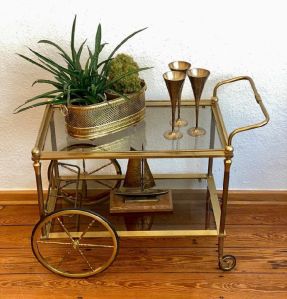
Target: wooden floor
{"x": 159, "y": 268}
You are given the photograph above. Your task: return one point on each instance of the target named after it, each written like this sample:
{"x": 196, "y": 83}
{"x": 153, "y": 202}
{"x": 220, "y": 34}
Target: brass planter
{"x": 89, "y": 122}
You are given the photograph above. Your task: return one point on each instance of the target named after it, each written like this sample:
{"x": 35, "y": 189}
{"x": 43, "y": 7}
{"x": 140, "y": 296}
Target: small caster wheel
{"x": 227, "y": 263}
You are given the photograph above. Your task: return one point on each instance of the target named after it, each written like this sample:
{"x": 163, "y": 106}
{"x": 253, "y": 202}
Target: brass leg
{"x": 226, "y": 262}
{"x": 211, "y": 143}
{"x": 37, "y": 169}
{"x": 207, "y": 210}
{"x": 209, "y": 170}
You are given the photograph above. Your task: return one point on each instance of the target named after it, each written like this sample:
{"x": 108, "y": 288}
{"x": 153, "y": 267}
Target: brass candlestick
{"x": 174, "y": 83}
{"x": 181, "y": 66}
{"x": 197, "y": 77}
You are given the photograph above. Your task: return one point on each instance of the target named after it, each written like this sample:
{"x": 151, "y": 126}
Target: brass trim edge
{"x": 222, "y": 132}
{"x": 167, "y": 103}
{"x": 140, "y": 234}
{"x": 42, "y": 133}
{"x": 219, "y": 153}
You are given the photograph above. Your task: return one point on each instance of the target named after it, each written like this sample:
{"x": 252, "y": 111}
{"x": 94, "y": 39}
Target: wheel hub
{"x": 76, "y": 244}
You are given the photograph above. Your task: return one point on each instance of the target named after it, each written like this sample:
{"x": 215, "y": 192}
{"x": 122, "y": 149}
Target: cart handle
{"x": 258, "y": 100}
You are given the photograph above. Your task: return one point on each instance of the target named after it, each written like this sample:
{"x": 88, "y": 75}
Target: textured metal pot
{"x": 88, "y": 122}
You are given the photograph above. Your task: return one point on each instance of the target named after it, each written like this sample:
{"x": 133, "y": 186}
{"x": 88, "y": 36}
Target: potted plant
{"x": 81, "y": 89}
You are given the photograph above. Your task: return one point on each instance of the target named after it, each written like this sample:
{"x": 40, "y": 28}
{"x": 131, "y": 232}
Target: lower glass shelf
{"x": 194, "y": 212}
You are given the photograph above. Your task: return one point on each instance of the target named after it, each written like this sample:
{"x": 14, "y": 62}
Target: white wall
{"x": 229, "y": 38}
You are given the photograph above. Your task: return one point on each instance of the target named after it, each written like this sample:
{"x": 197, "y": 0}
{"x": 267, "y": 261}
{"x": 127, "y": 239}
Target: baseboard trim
{"x": 257, "y": 196}
{"x": 18, "y": 197}
{"x": 29, "y": 197}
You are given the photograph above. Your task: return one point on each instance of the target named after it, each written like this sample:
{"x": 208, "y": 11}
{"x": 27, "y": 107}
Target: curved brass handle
{"x": 258, "y": 100}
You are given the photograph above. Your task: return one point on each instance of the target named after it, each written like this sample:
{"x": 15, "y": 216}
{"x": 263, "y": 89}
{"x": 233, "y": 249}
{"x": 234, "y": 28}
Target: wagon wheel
{"x": 227, "y": 263}
{"x": 75, "y": 243}
{"x": 91, "y": 191}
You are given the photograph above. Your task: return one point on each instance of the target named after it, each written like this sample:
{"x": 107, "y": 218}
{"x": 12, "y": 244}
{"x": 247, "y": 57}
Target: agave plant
{"x": 73, "y": 82}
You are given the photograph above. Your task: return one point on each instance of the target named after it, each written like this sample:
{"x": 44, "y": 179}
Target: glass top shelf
{"x": 145, "y": 138}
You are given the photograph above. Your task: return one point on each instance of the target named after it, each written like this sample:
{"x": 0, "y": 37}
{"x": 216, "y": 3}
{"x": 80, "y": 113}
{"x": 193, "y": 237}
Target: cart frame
{"x": 226, "y": 262}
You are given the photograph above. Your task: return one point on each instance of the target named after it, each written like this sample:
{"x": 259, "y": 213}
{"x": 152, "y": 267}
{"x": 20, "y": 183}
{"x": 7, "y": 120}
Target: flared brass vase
{"x": 181, "y": 66}
{"x": 174, "y": 83}
{"x": 197, "y": 77}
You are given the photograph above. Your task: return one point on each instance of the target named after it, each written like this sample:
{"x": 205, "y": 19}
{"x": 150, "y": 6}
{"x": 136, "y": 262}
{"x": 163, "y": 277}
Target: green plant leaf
{"x": 109, "y": 83}
{"x": 105, "y": 68}
{"x": 78, "y": 57}
{"x": 125, "y": 40}
{"x": 54, "y": 83}
{"x": 56, "y": 71}
{"x": 104, "y": 62}
{"x": 64, "y": 54}
{"x": 48, "y": 102}
{"x": 73, "y": 51}
{"x": 38, "y": 64}
{"x": 102, "y": 46}
{"x": 41, "y": 96}
{"x": 121, "y": 95}
{"x": 54, "y": 64}
{"x": 87, "y": 66}
{"x": 98, "y": 44}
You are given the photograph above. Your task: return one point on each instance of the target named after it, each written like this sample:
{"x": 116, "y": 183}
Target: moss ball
{"x": 120, "y": 65}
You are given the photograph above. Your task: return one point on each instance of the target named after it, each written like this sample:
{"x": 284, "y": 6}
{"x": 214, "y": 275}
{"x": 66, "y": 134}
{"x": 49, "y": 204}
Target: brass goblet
{"x": 174, "y": 83}
{"x": 181, "y": 66}
{"x": 197, "y": 77}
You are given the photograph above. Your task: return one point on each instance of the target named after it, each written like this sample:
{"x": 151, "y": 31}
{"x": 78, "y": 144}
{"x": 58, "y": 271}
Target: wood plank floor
{"x": 159, "y": 268}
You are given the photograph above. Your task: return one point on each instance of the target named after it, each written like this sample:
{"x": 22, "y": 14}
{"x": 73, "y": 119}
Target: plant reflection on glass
{"x": 174, "y": 83}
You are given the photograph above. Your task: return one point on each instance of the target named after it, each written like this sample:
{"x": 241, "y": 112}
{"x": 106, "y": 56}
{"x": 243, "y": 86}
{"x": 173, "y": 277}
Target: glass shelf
{"x": 143, "y": 139}
{"x": 192, "y": 212}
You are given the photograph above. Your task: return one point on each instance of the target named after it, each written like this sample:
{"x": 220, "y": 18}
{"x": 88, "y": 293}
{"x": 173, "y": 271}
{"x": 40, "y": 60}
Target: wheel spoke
{"x": 67, "y": 183}
{"x": 87, "y": 229}
{"x": 65, "y": 230}
{"x": 95, "y": 245}
{"x": 104, "y": 184}
{"x": 64, "y": 257}
{"x": 100, "y": 168}
{"x": 70, "y": 169}
{"x": 85, "y": 259}
{"x": 54, "y": 242}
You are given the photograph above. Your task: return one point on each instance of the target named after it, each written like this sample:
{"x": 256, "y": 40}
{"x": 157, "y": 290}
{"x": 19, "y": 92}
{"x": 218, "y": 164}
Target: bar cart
{"x": 78, "y": 231}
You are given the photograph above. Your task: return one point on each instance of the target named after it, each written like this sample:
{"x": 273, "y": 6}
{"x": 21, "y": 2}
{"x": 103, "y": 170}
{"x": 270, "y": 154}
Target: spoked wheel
{"x": 75, "y": 243}
{"x": 91, "y": 190}
{"x": 227, "y": 263}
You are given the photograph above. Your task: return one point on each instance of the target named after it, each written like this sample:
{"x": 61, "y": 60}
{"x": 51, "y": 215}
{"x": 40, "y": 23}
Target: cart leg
{"x": 211, "y": 144}
{"x": 226, "y": 262}
{"x": 209, "y": 171}
{"x": 37, "y": 169}
{"x": 207, "y": 210}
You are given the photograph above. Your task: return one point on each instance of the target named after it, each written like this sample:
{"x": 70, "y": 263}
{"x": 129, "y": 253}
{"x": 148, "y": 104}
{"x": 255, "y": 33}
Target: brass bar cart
{"x": 78, "y": 236}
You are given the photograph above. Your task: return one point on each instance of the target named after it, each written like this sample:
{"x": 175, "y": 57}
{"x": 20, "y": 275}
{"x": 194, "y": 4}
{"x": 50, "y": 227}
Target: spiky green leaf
{"x": 64, "y": 54}
{"x": 73, "y": 50}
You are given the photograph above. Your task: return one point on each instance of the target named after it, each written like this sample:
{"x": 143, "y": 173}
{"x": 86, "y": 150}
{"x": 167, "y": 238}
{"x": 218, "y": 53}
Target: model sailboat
{"x": 139, "y": 181}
